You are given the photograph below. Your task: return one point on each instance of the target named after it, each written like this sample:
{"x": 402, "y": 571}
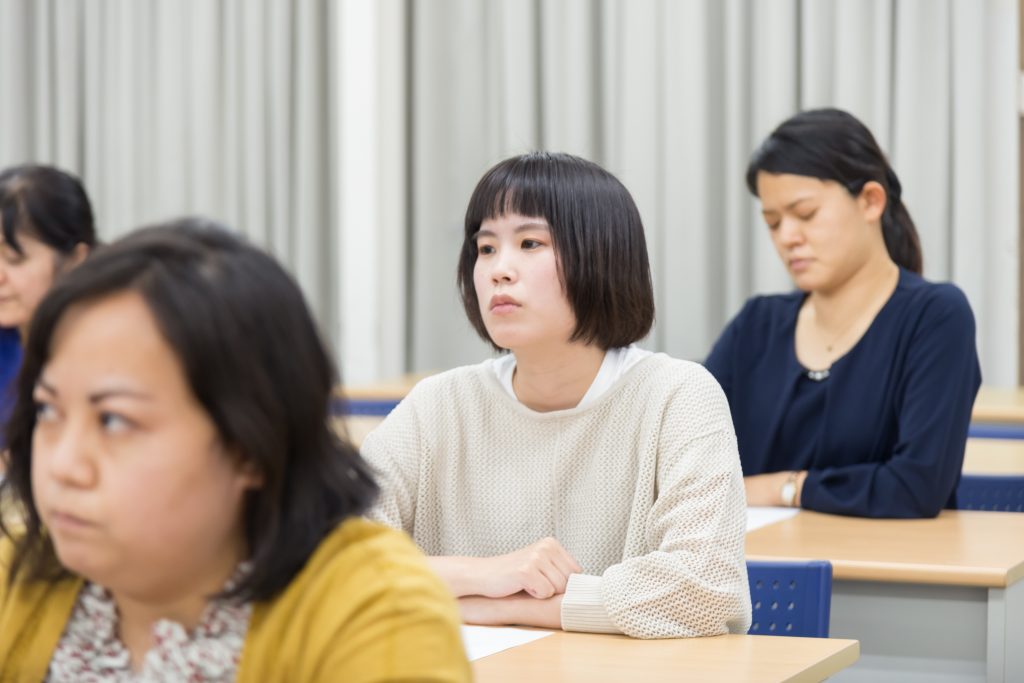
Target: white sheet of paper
{"x": 759, "y": 517}
{"x": 481, "y": 641}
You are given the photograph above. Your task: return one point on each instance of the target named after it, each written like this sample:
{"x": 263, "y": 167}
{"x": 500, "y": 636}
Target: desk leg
{"x": 1005, "y": 657}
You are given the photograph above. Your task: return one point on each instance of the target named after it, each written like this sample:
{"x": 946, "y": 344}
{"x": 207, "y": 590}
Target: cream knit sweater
{"x": 643, "y": 488}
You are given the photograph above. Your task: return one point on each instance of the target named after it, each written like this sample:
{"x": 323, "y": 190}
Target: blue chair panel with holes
{"x": 993, "y": 492}
{"x": 790, "y": 598}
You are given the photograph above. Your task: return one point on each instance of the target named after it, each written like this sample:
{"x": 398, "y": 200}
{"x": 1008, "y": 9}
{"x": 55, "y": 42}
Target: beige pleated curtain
{"x": 672, "y": 95}
{"x": 347, "y": 135}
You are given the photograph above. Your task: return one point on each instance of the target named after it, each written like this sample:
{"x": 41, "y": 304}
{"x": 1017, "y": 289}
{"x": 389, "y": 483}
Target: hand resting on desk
{"x": 521, "y": 587}
{"x": 541, "y": 570}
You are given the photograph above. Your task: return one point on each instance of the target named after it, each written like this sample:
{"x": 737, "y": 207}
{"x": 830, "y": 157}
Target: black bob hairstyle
{"x": 596, "y": 233}
{"x": 252, "y": 357}
{"x": 48, "y": 204}
{"x": 831, "y": 144}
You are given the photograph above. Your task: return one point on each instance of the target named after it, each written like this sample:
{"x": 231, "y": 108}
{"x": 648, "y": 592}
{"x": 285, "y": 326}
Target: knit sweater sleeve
{"x": 692, "y": 581}
{"x": 393, "y": 451}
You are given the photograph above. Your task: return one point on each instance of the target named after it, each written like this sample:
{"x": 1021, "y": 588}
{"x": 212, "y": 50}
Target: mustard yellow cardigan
{"x": 364, "y": 608}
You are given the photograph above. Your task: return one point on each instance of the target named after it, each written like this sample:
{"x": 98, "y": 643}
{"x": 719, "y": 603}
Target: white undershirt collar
{"x": 617, "y": 362}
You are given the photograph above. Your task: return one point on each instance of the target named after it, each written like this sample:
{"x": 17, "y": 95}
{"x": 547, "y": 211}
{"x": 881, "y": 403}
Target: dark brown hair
{"x": 48, "y": 204}
{"x": 597, "y": 235}
{"x": 831, "y": 144}
{"x": 256, "y": 363}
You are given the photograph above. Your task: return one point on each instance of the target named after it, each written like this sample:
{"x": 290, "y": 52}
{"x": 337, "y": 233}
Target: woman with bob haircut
{"x": 853, "y": 394}
{"x": 185, "y": 513}
{"x": 576, "y": 482}
{"x": 46, "y": 228}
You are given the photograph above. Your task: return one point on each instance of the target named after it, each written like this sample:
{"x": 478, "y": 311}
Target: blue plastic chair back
{"x": 994, "y": 492}
{"x": 341, "y": 407}
{"x": 790, "y": 598}
{"x": 989, "y": 430}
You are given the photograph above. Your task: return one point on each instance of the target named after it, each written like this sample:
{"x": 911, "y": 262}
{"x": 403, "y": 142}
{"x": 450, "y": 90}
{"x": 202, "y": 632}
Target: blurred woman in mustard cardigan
{"x": 184, "y": 511}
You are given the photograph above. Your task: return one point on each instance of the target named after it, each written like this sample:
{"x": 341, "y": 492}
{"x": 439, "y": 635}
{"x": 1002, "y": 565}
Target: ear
{"x": 872, "y": 201}
{"x": 250, "y": 474}
{"x": 75, "y": 257}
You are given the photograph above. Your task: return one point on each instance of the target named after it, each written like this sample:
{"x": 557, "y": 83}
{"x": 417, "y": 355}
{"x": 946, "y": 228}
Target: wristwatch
{"x": 788, "y": 491}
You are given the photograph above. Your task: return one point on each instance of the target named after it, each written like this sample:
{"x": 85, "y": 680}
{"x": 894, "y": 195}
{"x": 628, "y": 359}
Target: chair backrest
{"x": 372, "y": 407}
{"x": 790, "y": 598}
{"x": 1002, "y": 493}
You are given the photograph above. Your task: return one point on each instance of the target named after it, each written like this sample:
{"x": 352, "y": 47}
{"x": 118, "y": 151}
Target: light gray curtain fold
{"x": 229, "y": 108}
{"x": 673, "y": 95}
{"x": 347, "y": 136}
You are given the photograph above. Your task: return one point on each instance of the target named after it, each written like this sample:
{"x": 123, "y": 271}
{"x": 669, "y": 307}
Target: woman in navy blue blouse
{"x": 853, "y": 394}
{"x": 46, "y": 227}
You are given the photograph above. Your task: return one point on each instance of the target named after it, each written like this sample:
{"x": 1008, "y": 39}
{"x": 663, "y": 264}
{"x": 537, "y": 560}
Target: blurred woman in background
{"x": 853, "y": 394}
{"x": 46, "y": 228}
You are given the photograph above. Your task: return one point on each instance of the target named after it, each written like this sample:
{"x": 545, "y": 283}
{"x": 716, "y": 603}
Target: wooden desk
{"x": 929, "y": 600}
{"x": 994, "y": 456}
{"x": 394, "y": 388}
{"x": 358, "y": 426}
{"x": 591, "y": 658}
{"x": 1005, "y": 406}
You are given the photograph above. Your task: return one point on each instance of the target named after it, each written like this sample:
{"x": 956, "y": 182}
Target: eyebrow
{"x": 98, "y": 396}
{"x": 788, "y": 206}
{"x": 520, "y": 228}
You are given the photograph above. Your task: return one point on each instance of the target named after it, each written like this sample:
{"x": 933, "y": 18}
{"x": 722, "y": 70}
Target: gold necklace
{"x": 831, "y": 345}
{"x": 822, "y": 375}
{"x": 849, "y": 326}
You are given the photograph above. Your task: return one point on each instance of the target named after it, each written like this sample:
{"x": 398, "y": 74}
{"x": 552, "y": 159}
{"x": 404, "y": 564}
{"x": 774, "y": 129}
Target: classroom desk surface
{"x": 929, "y": 599}
{"x": 1004, "y": 406}
{"x": 592, "y": 658}
{"x": 994, "y": 456}
{"x": 358, "y": 426}
{"x": 959, "y": 547}
{"x": 394, "y": 388}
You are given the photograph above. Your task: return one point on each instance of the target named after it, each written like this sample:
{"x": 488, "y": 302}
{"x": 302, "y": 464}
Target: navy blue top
{"x": 884, "y": 434}
{"x": 10, "y": 363}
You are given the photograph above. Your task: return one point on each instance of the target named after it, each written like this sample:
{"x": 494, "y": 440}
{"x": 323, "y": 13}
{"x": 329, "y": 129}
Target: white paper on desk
{"x": 481, "y": 641}
{"x": 758, "y": 517}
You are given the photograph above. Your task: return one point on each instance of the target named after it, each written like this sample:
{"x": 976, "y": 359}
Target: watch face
{"x": 788, "y": 493}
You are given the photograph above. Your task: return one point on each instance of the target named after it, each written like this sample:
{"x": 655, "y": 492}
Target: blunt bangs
{"x": 596, "y": 232}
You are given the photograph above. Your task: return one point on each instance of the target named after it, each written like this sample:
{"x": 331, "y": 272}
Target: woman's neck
{"x": 185, "y": 606}
{"x": 555, "y": 378}
{"x": 869, "y": 287}
{"x": 136, "y": 620}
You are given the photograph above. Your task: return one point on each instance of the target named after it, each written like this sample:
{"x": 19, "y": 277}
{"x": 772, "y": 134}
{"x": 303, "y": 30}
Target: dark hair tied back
{"x": 831, "y": 144}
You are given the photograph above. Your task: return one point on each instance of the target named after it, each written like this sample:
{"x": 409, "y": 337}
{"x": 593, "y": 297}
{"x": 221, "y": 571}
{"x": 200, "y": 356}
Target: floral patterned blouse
{"x": 90, "y": 651}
